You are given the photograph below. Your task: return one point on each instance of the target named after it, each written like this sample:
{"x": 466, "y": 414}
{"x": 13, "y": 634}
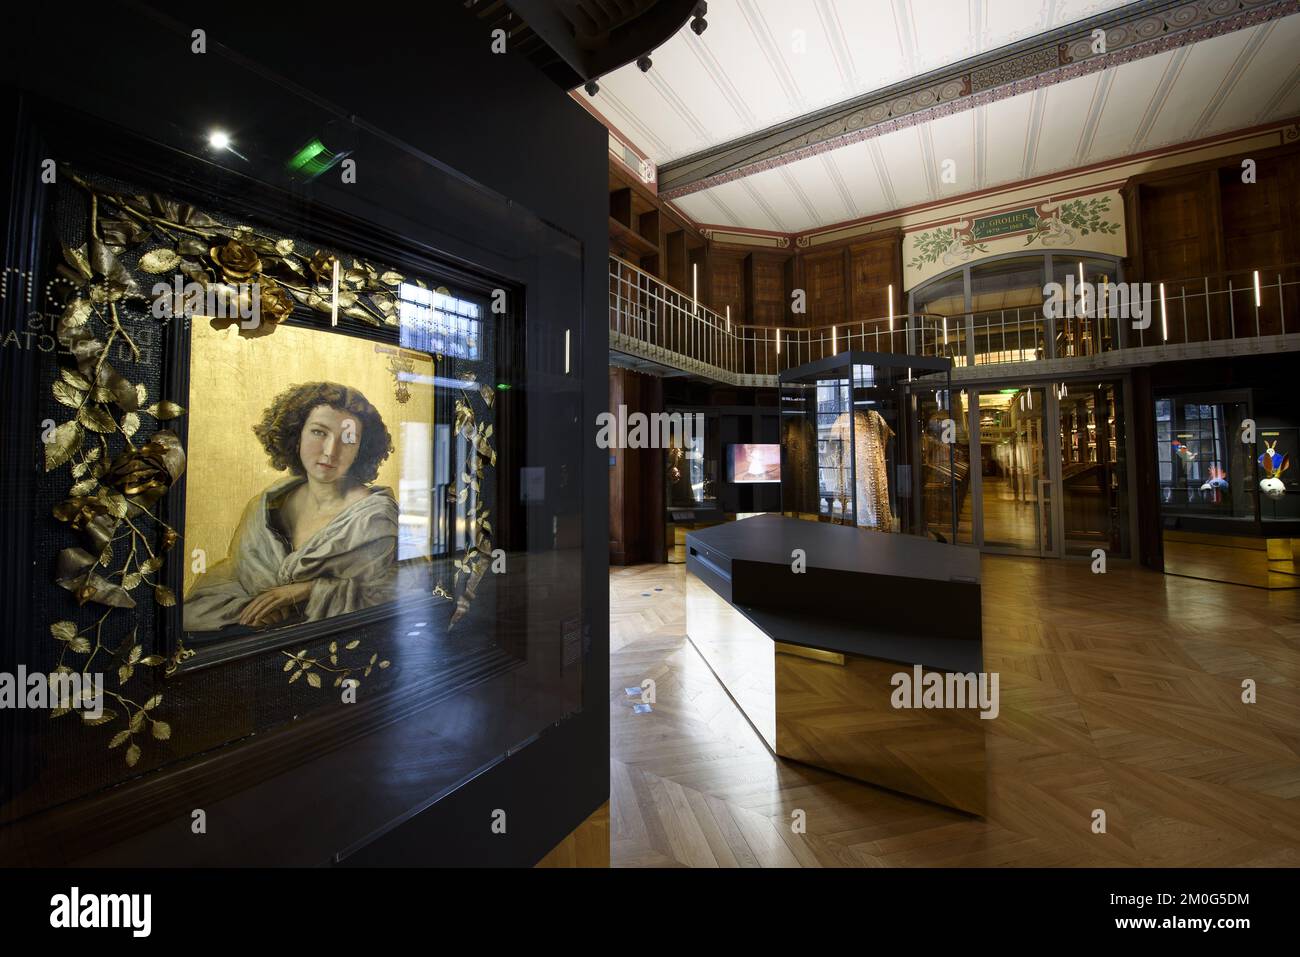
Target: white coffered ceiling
{"x": 746, "y": 72}
{"x": 737, "y": 79}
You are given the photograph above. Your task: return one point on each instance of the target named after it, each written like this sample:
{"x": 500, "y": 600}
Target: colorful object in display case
{"x": 1274, "y": 464}
{"x": 1216, "y": 483}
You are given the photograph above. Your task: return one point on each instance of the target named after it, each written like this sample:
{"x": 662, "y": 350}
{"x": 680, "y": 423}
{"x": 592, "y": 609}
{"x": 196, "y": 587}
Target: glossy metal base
{"x": 1272, "y": 563}
{"x": 833, "y": 710}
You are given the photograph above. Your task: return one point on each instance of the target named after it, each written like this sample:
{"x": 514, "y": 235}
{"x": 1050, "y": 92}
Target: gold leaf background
{"x": 232, "y": 380}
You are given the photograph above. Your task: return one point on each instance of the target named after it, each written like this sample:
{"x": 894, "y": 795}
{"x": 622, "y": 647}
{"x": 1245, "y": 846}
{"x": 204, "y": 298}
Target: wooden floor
{"x": 1119, "y": 692}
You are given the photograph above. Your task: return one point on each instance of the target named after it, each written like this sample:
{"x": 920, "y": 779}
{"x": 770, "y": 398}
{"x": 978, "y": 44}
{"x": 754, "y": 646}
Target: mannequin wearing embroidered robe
{"x": 871, "y": 469}
{"x": 350, "y": 561}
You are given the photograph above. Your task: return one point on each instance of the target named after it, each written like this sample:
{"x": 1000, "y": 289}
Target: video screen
{"x": 754, "y": 464}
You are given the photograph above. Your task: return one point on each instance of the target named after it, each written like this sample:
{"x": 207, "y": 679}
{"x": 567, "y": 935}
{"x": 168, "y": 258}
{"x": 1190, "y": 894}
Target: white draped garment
{"x": 351, "y": 561}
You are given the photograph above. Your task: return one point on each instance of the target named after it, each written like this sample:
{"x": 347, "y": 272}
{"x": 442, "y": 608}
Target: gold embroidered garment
{"x": 871, "y": 435}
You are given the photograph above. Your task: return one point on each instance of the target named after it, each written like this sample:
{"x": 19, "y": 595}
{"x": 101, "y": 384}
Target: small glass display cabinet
{"x": 853, "y": 449}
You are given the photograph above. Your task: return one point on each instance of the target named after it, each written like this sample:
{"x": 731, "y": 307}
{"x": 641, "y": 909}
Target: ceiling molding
{"x": 1133, "y": 32}
{"x": 1287, "y": 130}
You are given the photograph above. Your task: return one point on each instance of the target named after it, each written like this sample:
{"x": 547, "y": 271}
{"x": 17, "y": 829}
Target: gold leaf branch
{"x": 302, "y": 664}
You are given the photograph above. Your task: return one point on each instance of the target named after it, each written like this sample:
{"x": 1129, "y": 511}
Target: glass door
{"x": 1015, "y": 501}
{"x": 1094, "y": 473}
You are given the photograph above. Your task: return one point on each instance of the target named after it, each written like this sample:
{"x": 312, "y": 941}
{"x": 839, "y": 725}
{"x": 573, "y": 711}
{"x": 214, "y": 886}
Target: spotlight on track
{"x": 592, "y": 87}
{"x": 644, "y": 63}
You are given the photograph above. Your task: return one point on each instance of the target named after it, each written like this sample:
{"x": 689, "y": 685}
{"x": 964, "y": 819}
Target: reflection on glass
{"x": 1084, "y": 326}
{"x": 1007, "y": 307}
{"x": 1013, "y": 469}
{"x": 1094, "y": 485}
{"x": 945, "y": 465}
{"x": 1205, "y": 468}
{"x": 689, "y": 484}
{"x": 834, "y": 452}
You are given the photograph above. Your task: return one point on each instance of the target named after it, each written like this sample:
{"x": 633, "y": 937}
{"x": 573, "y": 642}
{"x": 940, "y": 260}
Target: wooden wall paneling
{"x": 747, "y": 289}
{"x": 698, "y": 258}
{"x": 1134, "y": 263}
{"x": 1213, "y": 207}
{"x": 727, "y": 283}
{"x": 649, "y": 509}
{"x": 824, "y": 276}
{"x": 1201, "y": 220}
{"x": 792, "y": 277}
{"x": 648, "y": 226}
{"x": 765, "y": 289}
{"x": 846, "y": 270}
{"x": 1173, "y": 227}
{"x": 620, "y": 206}
{"x": 675, "y": 259}
{"x": 636, "y": 509}
{"x": 1179, "y": 249}
{"x": 874, "y": 265}
{"x": 1255, "y": 233}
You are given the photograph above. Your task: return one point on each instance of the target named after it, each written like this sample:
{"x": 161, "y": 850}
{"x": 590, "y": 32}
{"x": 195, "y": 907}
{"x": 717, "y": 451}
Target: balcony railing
{"x": 655, "y": 321}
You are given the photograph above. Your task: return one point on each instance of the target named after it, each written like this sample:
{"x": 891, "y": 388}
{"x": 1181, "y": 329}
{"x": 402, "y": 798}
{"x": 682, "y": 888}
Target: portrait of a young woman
{"x": 320, "y": 542}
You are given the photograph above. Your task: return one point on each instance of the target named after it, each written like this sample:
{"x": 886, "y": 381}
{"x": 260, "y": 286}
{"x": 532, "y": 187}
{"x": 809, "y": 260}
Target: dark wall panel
{"x": 446, "y": 99}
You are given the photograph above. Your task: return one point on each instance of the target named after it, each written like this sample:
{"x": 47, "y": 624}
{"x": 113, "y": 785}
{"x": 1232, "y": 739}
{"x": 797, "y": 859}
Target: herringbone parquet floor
{"x": 1120, "y": 693}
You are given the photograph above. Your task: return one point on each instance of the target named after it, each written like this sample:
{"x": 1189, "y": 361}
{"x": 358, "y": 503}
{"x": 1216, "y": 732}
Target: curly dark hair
{"x": 280, "y": 428}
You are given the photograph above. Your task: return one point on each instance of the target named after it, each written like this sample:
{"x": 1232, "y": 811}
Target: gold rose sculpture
{"x": 117, "y": 480}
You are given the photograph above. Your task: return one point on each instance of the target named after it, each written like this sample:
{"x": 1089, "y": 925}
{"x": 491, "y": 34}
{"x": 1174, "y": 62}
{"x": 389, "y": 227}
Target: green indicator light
{"x": 1007, "y": 391}
{"x": 312, "y": 160}
{"x": 503, "y": 386}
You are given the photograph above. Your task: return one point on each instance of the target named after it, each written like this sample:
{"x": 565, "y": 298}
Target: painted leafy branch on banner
{"x": 1085, "y": 215}
{"x": 946, "y": 243}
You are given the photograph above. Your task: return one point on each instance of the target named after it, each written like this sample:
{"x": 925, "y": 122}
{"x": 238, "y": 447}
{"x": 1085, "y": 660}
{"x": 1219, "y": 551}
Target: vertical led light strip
{"x": 1257, "y": 296}
{"x": 891, "y": 318}
{"x": 778, "y": 341}
{"x": 695, "y": 289}
{"x": 1164, "y": 318}
{"x": 728, "y": 318}
{"x": 835, "y": 350}
{"x": 566, "y": 351}
{"x": 334, "y": 295}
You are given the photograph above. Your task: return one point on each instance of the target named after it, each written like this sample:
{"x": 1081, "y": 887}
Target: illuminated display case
{"x": 1205, "y": 467}
{"x": 863, "y": 443}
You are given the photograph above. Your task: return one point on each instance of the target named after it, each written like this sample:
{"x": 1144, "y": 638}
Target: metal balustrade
{"x": 654, "y": 321}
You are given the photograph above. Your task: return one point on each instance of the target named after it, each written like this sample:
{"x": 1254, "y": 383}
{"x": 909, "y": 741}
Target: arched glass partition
{"x": 1000, "y": 308}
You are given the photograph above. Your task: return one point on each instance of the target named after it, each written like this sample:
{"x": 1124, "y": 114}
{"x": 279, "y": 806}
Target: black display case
{"x": 855, "y": 442}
